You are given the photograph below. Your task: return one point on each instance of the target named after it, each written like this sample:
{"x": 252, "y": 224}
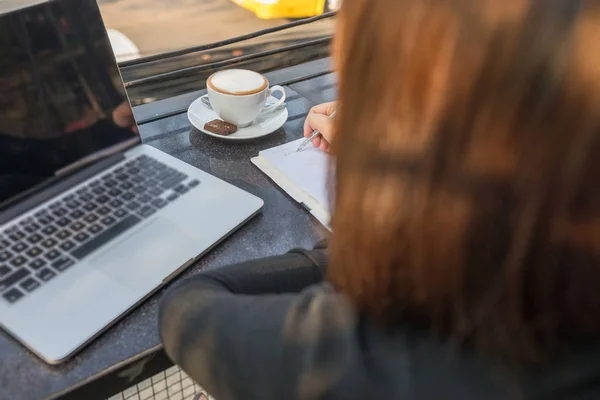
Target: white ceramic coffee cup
{"x": 238, "y": 96}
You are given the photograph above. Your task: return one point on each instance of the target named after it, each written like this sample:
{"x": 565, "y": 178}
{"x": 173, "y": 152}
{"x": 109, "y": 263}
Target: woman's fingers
{"x": 317, "y": 141}
{"x": 321, "y": 123}
{"x": 324, "y": 146}
{"x": 324, "y": 109}
{"x": 318, "y": 119}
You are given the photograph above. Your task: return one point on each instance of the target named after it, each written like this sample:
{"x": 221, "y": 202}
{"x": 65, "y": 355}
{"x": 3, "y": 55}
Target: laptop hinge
{"x": 57, "y": 186}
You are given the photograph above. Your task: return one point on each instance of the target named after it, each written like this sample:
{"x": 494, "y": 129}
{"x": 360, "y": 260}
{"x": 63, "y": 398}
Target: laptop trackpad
{"x": 144, "y": 259}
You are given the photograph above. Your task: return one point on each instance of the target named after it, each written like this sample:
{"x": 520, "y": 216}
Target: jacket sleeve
{"x": 259, "y": 330}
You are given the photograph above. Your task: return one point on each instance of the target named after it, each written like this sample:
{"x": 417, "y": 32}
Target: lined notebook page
{"x": 306, "y": 168}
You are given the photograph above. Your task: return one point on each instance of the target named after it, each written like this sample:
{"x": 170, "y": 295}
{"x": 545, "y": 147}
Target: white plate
{"x": 265, "y": 124}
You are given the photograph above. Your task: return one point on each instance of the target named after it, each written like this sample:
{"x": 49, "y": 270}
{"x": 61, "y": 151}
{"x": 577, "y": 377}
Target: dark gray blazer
{"x": 271, "y": 329}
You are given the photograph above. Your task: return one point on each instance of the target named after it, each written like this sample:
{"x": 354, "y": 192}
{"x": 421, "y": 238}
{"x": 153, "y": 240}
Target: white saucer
{"x": 265, "y": 124}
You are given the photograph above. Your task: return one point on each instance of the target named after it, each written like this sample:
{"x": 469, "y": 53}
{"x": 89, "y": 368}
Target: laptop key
{"x": 49, "y": 230}
{"x": 63, "y": 222}
{"x": 108, "y": 220}
{"x": 49, "y": 243}
{"x": 45, "y": 220}
{"x": 146, "y": 211}
{"x": 73, "y": 204}
{"x": 114, "y": 192}
{"x": 102, "y": 199}
{"x": 52, "y": 255}
{"x": 76, "y": 214}
{"x": 144, "y": 198}
{"x": 181, "y": 189}
{"x": 30, "y": 284}
{"x": 94, "y": 229}
{"x": 37, "y": 264}
{"x": 62, "y": 264}
{"x": 32, "y": 228}
{"x": 166, "y": 175}
{"x": 156, "y": 191}
{"x": 13, "y": 295}
{"x": 172, "y": 197}
{"x": 103, "y": 211}
{"x": 159, "y": 203}
{"x": 116, "y": 203}
{"x": 12, "y": 229}
{"x": 18, "y": 261}
{"x": 120, "y": 213}
{"x": 13, "y": 278}
{"x": 63, "y": 234}
{"x": 128, "y": 196}
{"x": 90, "y": 218}
{"x": 105, "y": 236}
{"x": 4, "y": 270}
{"x": 26, "y": 221}
{"x": 171, "y": 183}
{"x": 34, "y": 252}
{"x": 46, "y": 274}
{"x": 133, "y": 206}
{"x": 194, "y": 183}
{"x": 16, "y": 236}
{"x": 19, "y": 247}
{"x": 5, "y": 256}
{"x": 35, "y": 238}
{"x": 60, "y": 212}
{"x": 82, "y": 237}
{"x": 68, "y": 245}
{"x": 85, "y": 197}
{"x": 77, "y": 226}
{"x": 90, "y": 206}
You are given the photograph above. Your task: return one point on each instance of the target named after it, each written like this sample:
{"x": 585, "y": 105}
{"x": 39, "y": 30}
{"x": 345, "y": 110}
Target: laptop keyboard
{"x": 39, "y": 248}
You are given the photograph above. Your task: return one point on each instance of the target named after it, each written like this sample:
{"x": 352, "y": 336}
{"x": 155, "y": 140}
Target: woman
{"x": 465, "y": 262}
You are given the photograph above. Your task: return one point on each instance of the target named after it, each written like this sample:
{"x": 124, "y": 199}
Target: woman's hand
{"x": 318, "y": 119}
{"x": 123, "y": 117}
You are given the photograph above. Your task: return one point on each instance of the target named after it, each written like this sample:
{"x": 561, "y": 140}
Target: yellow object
{"x": 269, "y": 9}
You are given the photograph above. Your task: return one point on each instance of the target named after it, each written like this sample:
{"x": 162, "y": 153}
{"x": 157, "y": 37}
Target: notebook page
{"x": 306, "y": 168}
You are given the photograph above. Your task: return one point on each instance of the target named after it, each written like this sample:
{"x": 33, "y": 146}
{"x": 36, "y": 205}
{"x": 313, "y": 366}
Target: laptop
{"x": 92, "y": 222}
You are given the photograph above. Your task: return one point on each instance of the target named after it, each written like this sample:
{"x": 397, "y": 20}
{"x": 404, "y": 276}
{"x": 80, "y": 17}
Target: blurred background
{"x": 139, "y": 28}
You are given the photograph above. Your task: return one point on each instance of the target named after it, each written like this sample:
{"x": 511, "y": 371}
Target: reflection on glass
{"x": 61, "y": 96}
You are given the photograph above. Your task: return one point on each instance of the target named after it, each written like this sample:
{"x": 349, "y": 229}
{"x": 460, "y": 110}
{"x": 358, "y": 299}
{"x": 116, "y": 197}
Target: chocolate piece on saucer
{"x": 220, "y": 127}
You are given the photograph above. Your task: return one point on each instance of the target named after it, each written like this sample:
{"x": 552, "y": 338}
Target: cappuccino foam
{"x": 238, "y": 81}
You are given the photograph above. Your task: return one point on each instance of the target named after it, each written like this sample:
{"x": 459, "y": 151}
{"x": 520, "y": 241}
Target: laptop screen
{"x": 62, "y": 101}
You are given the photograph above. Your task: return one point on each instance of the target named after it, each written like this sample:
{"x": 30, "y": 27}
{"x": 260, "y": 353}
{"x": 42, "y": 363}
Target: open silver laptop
{"x": 91, "y": 221}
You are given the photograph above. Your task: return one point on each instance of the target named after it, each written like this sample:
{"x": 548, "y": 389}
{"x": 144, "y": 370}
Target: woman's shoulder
{"x": 319, "y": 308}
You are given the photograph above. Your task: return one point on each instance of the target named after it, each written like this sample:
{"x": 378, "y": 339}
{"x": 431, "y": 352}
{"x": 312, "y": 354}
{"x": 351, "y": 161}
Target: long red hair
{"x": 467, "y": 195}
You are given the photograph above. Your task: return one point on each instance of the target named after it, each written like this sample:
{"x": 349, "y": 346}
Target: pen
{"x": 311, "y": 137}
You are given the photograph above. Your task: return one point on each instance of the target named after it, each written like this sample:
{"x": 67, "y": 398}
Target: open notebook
{"x": 302, "y": 175}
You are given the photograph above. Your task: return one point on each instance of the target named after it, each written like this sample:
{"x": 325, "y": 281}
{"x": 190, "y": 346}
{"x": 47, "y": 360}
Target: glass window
{"x": 141, "y": 28}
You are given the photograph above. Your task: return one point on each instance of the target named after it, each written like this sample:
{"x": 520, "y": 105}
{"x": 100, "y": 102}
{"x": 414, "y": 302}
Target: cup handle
{"x": 274, "y": 106}
{"x": 205, "y": 101}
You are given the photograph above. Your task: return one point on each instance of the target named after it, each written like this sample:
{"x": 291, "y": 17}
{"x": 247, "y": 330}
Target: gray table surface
{"x": 282, "y": 225}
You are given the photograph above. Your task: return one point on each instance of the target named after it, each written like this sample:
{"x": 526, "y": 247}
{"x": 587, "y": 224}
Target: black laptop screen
{"x": 61, "y": 96}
